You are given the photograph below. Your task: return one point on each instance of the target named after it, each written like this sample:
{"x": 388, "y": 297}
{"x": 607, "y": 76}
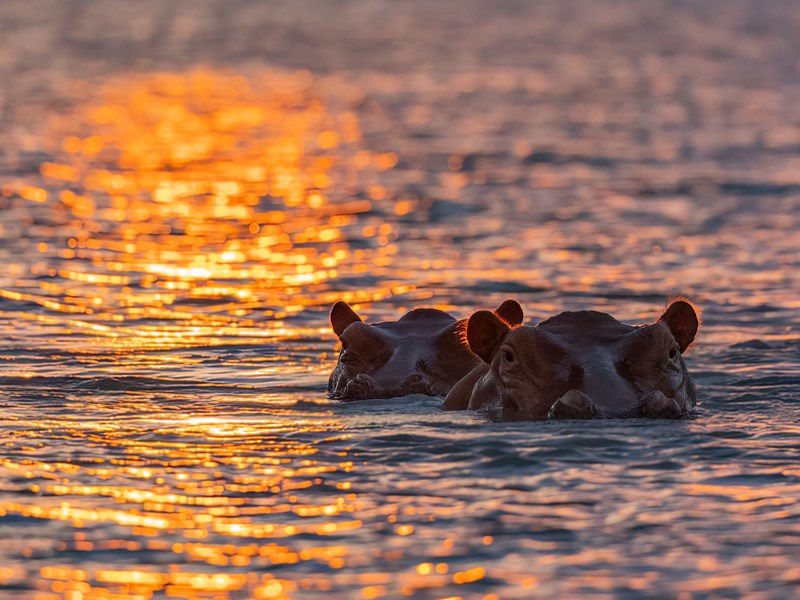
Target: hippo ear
{"x": 682, "y": 321}
{"x": 484, "y": 332}
{"x": 511, "y": 312}
{"x": 342, "y": 316}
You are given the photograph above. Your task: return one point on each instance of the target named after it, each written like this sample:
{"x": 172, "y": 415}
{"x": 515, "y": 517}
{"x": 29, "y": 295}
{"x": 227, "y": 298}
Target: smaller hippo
{"x": 580, "y": 365}
{"x": 425, "y": 352}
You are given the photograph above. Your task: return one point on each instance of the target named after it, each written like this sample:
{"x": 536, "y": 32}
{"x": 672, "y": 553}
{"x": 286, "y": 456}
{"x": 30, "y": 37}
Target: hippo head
{"x": 425, "y": 352}
{"x": 584, "y": 364}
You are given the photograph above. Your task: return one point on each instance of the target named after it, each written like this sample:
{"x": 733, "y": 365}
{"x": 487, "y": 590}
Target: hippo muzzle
{"x": 364, "y": 387}
{"x": 654, "y": 405}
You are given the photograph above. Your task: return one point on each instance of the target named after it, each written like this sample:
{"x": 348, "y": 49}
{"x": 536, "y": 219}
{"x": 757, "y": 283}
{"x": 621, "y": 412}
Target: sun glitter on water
{"x": 161, "y": 214}
{"x": 182, "y": 508}
{"x": 183, "y": 208}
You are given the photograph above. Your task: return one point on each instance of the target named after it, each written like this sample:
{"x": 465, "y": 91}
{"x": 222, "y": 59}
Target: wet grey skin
{"x": 580, "y": 365}
{"x": 424, "y": 352}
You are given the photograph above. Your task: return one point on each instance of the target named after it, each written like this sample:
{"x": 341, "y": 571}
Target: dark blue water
{"x": 186, "y": 189}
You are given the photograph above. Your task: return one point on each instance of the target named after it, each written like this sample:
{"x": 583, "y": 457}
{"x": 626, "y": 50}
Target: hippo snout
{"x": 363, "y": 387}
{"x": 575, "y": 404}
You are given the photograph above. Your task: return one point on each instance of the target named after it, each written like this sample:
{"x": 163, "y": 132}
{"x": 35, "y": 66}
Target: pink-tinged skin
{"x": 580, "y": 365}
{"x": 425, "y": 352}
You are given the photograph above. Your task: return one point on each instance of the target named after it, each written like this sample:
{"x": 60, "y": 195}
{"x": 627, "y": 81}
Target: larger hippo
{"x": 580, "y": 365}
{"x": 425, "y": 352}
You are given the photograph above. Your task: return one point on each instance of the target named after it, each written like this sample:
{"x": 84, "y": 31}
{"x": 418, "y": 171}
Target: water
{"x": 188, "y": 186}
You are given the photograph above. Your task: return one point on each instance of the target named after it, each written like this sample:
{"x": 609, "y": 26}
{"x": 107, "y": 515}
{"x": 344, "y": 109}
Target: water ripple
{"x": 177, "y": 218}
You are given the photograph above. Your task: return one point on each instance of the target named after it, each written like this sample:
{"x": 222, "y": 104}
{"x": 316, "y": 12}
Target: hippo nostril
{"x": 573, "y": 405}
{"x": 416, "y": 383}
{"x": 511, "y": 404}
{"x": 656, "y": 405}
{"x": 360, "y": 388}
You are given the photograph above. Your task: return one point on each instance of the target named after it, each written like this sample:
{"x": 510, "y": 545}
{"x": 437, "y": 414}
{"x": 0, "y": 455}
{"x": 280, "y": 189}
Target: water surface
{"x": 187, "y": 188}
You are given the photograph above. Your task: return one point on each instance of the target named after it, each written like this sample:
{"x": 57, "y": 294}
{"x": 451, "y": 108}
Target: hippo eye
{"x": 673, "y": 353}
{"x": 508, "y": 356}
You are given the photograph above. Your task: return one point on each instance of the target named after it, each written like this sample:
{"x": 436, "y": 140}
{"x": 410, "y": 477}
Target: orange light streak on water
{"x": 199, "y": 206}
{"x": 169, "y": 497}
{"x": 185, "y": 210}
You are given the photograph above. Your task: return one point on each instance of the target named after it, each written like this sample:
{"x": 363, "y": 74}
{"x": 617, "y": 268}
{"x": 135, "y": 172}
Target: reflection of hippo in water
{"x": 425, "y": 352}
{"x": 580, "y": 365}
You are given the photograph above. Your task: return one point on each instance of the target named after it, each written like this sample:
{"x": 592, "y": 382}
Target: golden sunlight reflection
{"x": 199, "y": 504}
{"x": 210, "y": 490}
{"x": 174, "y": 211}
{"x": 199, "y": 206}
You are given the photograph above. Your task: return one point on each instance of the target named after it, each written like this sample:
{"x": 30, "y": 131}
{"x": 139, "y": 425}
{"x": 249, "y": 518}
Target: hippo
{"x": 424, "y": 352}
{"x": 580, "y": 365}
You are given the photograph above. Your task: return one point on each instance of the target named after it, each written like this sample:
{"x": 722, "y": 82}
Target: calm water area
{"x": 187, "y": 187}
